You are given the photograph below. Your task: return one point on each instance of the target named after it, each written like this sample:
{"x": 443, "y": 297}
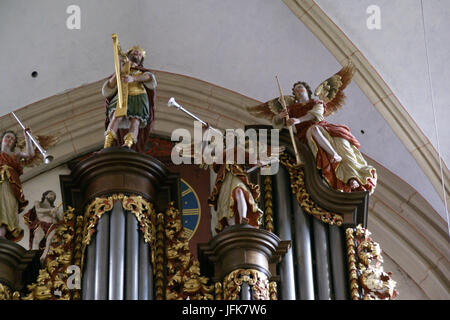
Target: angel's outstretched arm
{"x": 315, "y": 114}
{"x": 29, "y": 150}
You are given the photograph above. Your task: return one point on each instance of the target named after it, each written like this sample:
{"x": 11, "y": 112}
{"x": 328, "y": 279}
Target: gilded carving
{"x": 218, "y": 292}
{"x": 268, "y": 204}
{"x": 142, "y": 209}
{"x": 7, "y": 294}
{"x": 273, "y": 290}
{"x": 159, "y": 258}
{"x": 183, "y": 270}
{"x": 257, "y": 280}
{"x": 376, "y": 284}
{"x": 304, "y": 199}
{"x": 365, "y": 261}
{"x": 353, "y": 271}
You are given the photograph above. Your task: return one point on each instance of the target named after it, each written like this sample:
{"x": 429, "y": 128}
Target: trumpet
{"x": 47, "y": 158}
{"x": 173, "y": 103}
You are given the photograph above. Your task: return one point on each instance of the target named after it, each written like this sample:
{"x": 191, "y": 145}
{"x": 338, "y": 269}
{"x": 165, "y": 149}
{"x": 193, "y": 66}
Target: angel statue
{"x": 12, "y": 161}
{"x": 234, "y": 197}
{"x": 335, "y": 149}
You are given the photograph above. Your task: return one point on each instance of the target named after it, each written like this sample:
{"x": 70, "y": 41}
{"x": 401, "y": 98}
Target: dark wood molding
{"x": 242, "y": 247}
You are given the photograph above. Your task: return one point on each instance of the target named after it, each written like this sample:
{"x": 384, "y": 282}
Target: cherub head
{"x": 302, "y": 91}
{"x": 9, "y": 140}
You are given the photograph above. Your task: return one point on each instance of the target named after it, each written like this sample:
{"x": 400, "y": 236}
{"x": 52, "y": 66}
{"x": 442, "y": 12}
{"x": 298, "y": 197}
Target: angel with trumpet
{"x": 12, "y": 161}
{"x": 335, "y": 149}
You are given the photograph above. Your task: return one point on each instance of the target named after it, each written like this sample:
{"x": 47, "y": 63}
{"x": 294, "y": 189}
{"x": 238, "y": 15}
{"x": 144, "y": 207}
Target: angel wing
{"x": 45, "y": 142}
{"x": 270, "y": 108}
{"x": 331, "y": 91}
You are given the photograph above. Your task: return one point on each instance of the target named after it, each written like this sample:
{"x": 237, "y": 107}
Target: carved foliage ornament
{"x": 7, "y": 294}
{"x": 365, "y": 255}
{"x": 257, "y": 280}
{"x": 183, "y": 270}
{"x": 304, "y": 199}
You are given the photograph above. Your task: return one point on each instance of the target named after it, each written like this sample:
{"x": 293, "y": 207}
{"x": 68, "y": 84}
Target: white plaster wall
{"x": 400, "y": 52}
{"x": 407, "y": 287}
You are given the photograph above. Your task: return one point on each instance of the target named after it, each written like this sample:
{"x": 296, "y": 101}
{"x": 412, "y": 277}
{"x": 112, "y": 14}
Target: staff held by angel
{"x": 16, "y": 154}
{"x": 334, "y": 147}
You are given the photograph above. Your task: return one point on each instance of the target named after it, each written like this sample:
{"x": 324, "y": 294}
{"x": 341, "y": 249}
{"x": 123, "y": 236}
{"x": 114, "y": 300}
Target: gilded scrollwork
{"x": 365, "y": 264}
{"x": 304, "y": 199}
{"x": 183, "y": 270}
{"x": 135, "y": 204}
{"x": 257, "y": 280}
{"x": 52, "y": 281}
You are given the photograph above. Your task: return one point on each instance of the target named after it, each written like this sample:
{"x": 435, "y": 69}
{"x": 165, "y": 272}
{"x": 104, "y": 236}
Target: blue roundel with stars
{"x": 191, "y": 209}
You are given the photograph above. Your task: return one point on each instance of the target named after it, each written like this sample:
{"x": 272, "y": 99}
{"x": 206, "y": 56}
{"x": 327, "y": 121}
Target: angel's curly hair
{"x": 307, "y": 87}
{"x": 15, "y": 136}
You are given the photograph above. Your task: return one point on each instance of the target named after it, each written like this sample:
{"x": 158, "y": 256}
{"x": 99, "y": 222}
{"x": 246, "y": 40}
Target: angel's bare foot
{"x": 354, "y": 184}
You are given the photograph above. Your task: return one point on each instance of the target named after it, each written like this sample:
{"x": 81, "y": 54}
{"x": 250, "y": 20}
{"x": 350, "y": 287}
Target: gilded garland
{"x": 268, "y": 203}
{"x": 304, "y": 199}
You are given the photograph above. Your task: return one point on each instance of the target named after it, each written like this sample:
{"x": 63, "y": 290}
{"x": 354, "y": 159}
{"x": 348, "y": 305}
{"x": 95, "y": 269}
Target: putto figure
{"x": 334, "y": 147}
{"x": 131, "y": 129}
{"x": 12, "y": 200}
{"x": 42, "y": 220}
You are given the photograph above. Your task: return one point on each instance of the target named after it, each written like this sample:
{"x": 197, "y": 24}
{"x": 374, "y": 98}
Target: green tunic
{"x": 137, "y": 107}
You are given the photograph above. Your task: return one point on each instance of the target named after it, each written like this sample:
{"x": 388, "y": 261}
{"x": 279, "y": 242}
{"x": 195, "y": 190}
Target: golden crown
{"x": 137, "y": 48}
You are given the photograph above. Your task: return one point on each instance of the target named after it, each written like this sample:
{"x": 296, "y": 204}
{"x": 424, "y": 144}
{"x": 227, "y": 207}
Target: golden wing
{"x": 45, "y": 142}
{"x": 270, "y": 108}
{"x": 331, "y": 91}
